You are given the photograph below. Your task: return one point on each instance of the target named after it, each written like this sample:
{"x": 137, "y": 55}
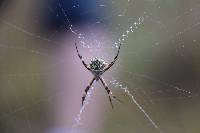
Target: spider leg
{"x": 113, "y": 62}
{"x": 108, "y": 91}
{"x": 86, "y": 90}
{"x": 81, "y": 58}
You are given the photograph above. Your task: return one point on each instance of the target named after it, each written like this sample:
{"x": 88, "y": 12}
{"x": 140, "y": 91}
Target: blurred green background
{"x": 40, "y": 77}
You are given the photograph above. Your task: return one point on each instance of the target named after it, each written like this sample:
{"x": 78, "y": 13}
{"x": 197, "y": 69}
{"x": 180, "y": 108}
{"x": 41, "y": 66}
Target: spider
{"x": 97, "y": 67}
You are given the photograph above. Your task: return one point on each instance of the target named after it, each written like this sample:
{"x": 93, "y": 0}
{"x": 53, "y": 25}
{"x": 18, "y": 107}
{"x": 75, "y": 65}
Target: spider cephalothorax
{"x": 98, "y": 66}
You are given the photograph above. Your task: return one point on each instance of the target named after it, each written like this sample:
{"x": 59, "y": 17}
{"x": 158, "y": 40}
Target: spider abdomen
{"x": 97, "y": 66}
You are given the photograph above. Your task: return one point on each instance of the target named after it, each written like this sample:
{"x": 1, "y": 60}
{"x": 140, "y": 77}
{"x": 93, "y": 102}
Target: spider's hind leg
{"x": 109, "y": 92}
{"x": 109, "y": 95}
{"x": 86, "y": 90}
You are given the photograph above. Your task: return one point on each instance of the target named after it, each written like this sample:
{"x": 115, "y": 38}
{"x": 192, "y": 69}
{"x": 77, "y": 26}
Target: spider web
{"x": 156, "y": 76}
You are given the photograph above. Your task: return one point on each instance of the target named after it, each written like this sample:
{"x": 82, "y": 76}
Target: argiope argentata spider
{"x": 97, "y": 67}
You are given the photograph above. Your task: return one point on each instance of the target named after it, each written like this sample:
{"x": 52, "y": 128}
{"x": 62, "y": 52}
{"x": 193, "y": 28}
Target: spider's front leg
{"x": 108, "y": 91}
{"x": 81, "y": 58}
{"x": 86, "y": 90}
{"x": 115, "y": 59}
